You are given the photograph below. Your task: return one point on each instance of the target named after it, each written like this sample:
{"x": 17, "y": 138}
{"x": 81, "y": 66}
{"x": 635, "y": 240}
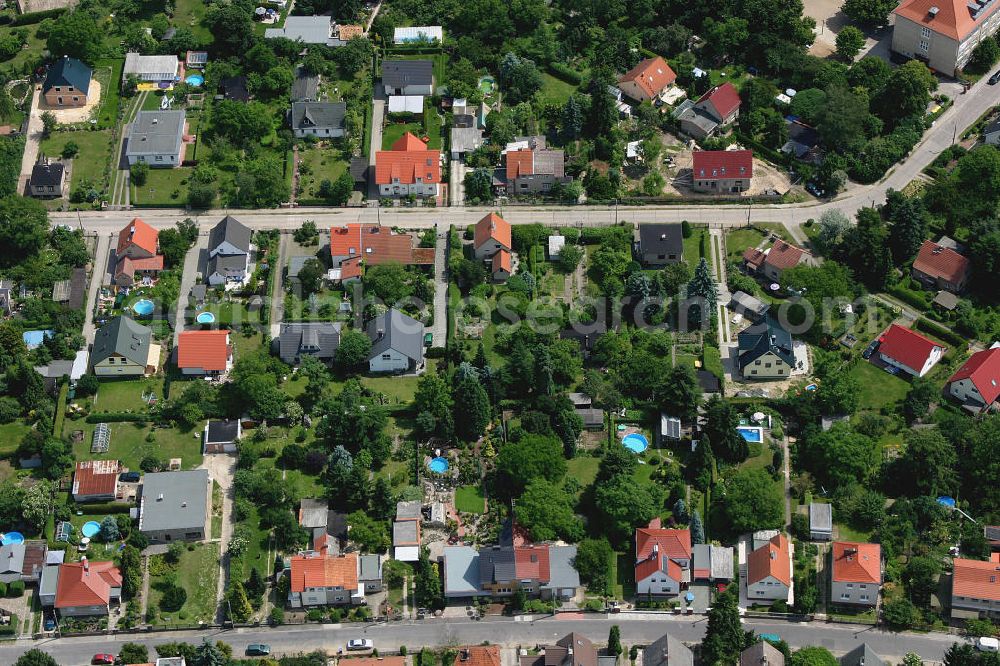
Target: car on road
{"x": 103, "y": 658}
{"x": 995, "y": 79}
{"x": 987, "y": 644}
{"x": 360, "y": 644}
{"x": 870, "y": 349}
{"x": 258, "y": 649}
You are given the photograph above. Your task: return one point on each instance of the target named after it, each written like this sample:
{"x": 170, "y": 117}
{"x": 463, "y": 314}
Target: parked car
{"x": 892, "y": 370}
{"x": 870, "y": 349}
{"x": 258, "y": 649}
{"x": 103, "y": 658}
{"x": 360, "y": 644}
{"x": 49, "y": 624}
{"x": 129, "y": 477}
{"x": 987, "y": 644}
{"x": 995, "y": 79}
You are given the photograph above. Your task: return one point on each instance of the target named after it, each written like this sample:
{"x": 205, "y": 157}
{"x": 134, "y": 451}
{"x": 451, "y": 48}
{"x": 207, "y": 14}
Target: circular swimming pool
{"x": 143, "y": 307}
{"x": 12, "y": 538}
{"x": 438, "y": 465}
{"x": 195, "y": 80}
{"x": 205, "y": 318}
{"x": 90, "y": 528}
{"x": 635, "y": 442}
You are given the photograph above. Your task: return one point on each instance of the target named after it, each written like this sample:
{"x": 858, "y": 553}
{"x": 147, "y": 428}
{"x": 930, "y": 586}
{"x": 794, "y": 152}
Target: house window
{"x": 924, "y": 45}
{"x": 661, "y": 256}
{"x": 753, "y": 372}
{"x": 925, "y": 33}
{"x": 850, "y": 585}
{"x": 845, "y": 596}
{"x": 76, "y": 99}
{"x": 58, "y": 88}
{"x": 767, "y": 365}
{"x": 864, "y": 597}
{"x": 386, "y": 357}
{"x": 159, "y": 158}
{"x": 757, "y": 362}
{"x": 863, "y": 587}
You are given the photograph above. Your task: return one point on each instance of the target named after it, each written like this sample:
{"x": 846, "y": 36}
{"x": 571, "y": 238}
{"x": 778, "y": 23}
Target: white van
{"x": 987, "y": 644}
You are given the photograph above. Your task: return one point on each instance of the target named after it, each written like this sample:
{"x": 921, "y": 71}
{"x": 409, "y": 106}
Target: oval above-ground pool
{"x": 205, "y": 318}
{"x": 438, "y": 465}
{"x": 143, "y": 307}
{"x": 751, "y": 433}
{"x": 195, "y": 80}
{"x": 635, "y": 442}
{"x": 12, "y": 538}
{"x": 90, "y": 528}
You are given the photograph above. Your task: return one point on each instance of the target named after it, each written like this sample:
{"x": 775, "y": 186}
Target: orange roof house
{"x": 87, "y": 588}
{"x": 941, "y": 267}
{"x": 975, "y": 583}
{"x": 532, "y": 563}
{"x": 939, "y": 31}
{"x": 409, "y": 167}
{"x": 374, "y": 245}
{"x": 95, "y": 480}
{"x": 770, "y": 560}
{"x": 137, "y": 239}
{"x": 647, "y": 80}
{"x": 857, "y": 562}
{"x": 501, "y": 265}
{"x": 204, "y": 352}
{"x": 666, "y": 551}
{"x": 478, "y": 655}
{"x": 492, "y": 234}
{"x": 313, "y": 570}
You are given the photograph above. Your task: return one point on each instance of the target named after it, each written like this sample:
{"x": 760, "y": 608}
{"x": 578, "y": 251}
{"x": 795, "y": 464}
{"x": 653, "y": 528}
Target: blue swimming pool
{"x": 34, "y": 339}
{"x": 90, "y": 529}
{"x": 205, "y": 318}
{"x": 751, "y": 433}
{"x": 635, "y": 442}
{"x": 438, "y": 465}
{"x": 12, "y": 538}
{"x": 195, "y": 80}
{"x": 143, "y": 307}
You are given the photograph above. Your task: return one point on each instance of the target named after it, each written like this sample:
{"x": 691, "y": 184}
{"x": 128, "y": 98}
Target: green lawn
{"x": 129, "y": 443}
{"x": 32, "y": 49}
{"x": 555, "y": 91}
{"x": 583, "y": 469}
{"x": 232, "y": 313}
{"x": 469, "y": 499}
{"x": 126, "y": 395}
{"x": 109, "y": 73}
{"x": 317, "y": 164}
{"x": 92, "y": 158}
{"x": 198, "y": 574}
{"x": 322, "y": 308}
{"x": 255, "y": 556}
{"x": 163, "y": 187}
{"x": 189, "y": 14}
{"x": 394, "y": 131}
{"x": 692, "y": 247}
{"x": 878, "y": 388}
{"x": 738, "y": 240}
{"x": 10, "y": 436}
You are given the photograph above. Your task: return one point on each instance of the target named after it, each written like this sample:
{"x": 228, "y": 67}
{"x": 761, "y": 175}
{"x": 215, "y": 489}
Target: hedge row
{"x": 565, "y": 73}
{"x": 37, "y": 17}
{"x": 117, "y": 417}
{"x": 941, "y": 332}
{"x": 102, "y": 508}
{"x": 909, "y": 297}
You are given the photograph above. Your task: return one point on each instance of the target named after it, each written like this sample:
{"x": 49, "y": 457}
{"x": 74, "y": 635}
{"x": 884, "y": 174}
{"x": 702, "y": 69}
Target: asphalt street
{"x": 636, "y": 629}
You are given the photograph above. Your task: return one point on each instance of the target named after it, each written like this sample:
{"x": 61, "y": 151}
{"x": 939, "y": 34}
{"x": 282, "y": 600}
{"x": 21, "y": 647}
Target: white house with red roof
{"x": 722, "y": 171}
{"x": 87, "y": 588}
{"x": 204, "y": 352}
{"x": 943, "y": 33}
{"x": 647, "y": 80}
{"x": 975, "y": 588}
{"x": 662, "y": 560}
{"x": 318, "y": 579}
{"x": 775, "y": 260}
{"x": 977, "y": 383}
{"x": 717, "y": 108}
{"x": 492, "y": 235}
{"x": 909, "y": 351}
{"x": 856, "y": 573}
{"x": 941, "y": 267}
{"x": 96, "y": 480}
{"x": 409, "y": 167}
{"x": 136, "y": 254}
{"x": 769, "y": 570}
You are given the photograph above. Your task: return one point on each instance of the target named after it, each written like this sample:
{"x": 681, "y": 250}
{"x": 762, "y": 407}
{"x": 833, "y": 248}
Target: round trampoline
{"x": 438, "y": 465}
{"x": 205, "y": 318}
{"x": 143, "y": 307}
{"x": 90, "y": 528}
{"x": 12, "y": 538}
{"x": 195, "y": 80}
{"x": 635, "y": 442}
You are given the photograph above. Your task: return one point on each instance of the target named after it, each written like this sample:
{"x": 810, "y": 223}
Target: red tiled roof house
{"x": 87, "y": 588}
{"x": 769, "y": 571}
{"x": 941, "y": 267}
{"x": 500, "y": 267}
{"x": 975, "y": 588}
{"x": 478, "y": 655}
{"x": 942, "y": 33}
{"x": 856, "y": 573}
{"x": 374, "y": 245}
{"x": 717, "y": 108}
{"x": 534, "y": 170}
{"x": 204, "y": 352}
{"x": 96, "y": 480}
{"x": 722, "y": 171}
{"x": 409, "y": 167}
{"x": 319, "y": 580}
{"x": 977, "y": 383}
{"x": 774, "y": 261}
{"x": 647, "y": 80}
{"x": 492, "y": 235}
{"x": 909, "y": 351}
{"x": 136, "y": 253}
{"x": 662, "y": 560}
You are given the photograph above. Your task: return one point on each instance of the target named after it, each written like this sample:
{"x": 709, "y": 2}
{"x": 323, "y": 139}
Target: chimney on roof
{"x": 933, "y": 11}
{"x": 463, "y": 655}
{"x": 159, "y": 497}
{"x": 86, "y": 564}
{"x": 379, "y": 334}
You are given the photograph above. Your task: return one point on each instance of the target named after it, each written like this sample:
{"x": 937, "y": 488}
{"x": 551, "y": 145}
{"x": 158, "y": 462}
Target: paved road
{"x": 639, "y": 630}
{"x": 188, "y": 277}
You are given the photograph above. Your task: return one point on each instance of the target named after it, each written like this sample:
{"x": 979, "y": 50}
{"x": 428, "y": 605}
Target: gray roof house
{"x": 222, "y": 436}
{"x": 564, "y": 579}
{"x": 319, "y": 119}
{"x": 305, "y": 86}
{"x": 11, "y": 562}
{"x": 497, "y": 565}
{"x": 124, "y": 347}
{"x": 660, "y": 244}
{"x": 397, "y": 343}
{"x": 307, "y": 29}
{"x": 229, "y": 236}
{"x": 157, "y": 138}
{"x": 765, "y": 351}
{"x": 223, "y": 268}
{"x": 762, "y": 653}
{"x": 408, "y": 77}
{"x": 667, "y": 650}
{"x": 461, "y": 572}
{"x": 295, "y": 265}
{"x": 47, "y": 178}
{"x": 317, "y": 339}
{"x": 670, "y": 428}
{"x": 175, "y": 506}
{"x": 749, "y": 306}
{"x": 370, "y": 572}
{"x": 820, "y": 522}
{"x": 465, "y": 140}
{"x": 991, "y": 133}
{"x": 712, "y": 562}
{"x": 862, "y": 655}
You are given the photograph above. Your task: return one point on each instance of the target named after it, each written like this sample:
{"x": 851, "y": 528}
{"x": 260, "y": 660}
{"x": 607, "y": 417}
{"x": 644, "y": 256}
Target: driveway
{"x": 32, "y": 141}
{"x": 278, "y": 295}
{"x": 456, "y": 183}
{"x": 102, "y": 258}
{"x": 378, "y": 117}
{"x": 440, "y": 328}
{"x": 192, "y": 260}
{"x": 221, "y": 467}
